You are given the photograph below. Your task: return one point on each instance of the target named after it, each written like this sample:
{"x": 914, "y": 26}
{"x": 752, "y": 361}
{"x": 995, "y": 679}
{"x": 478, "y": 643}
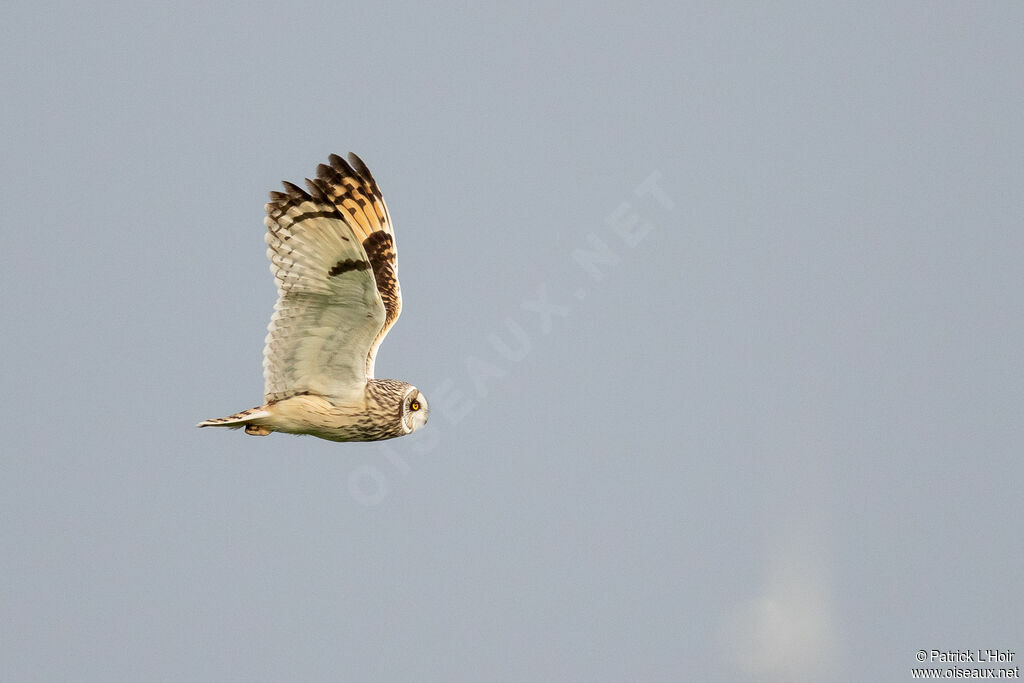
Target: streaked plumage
{"x": 332, "y": 252}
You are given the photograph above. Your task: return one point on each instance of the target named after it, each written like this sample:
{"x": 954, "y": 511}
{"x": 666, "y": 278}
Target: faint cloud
{"x": 789, "y": 631}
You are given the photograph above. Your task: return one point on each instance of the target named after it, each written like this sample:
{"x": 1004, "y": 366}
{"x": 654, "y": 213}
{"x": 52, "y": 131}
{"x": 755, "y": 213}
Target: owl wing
{"x": 332, "y": 253}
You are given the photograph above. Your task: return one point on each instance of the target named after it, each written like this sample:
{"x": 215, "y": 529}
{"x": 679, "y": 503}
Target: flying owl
{"x": 332, "y": 252}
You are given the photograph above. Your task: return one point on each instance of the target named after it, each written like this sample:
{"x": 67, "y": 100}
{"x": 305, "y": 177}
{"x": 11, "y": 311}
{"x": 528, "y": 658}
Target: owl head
{"x": 415, "y": 410}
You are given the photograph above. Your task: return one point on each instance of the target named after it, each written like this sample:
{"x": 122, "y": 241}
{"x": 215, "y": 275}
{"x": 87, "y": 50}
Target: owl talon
{"x": 256, "y": 430}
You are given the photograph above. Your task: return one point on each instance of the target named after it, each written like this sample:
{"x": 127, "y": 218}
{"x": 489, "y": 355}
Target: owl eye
{"x": 415, "y": 405}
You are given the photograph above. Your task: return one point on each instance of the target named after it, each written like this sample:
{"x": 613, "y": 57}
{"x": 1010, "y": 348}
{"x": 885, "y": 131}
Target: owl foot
{"x": 256, "y": 430}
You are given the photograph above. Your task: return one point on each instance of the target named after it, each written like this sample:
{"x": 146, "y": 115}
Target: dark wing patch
{"x": 347, "y": 265}
{"x": 380, "y": 250}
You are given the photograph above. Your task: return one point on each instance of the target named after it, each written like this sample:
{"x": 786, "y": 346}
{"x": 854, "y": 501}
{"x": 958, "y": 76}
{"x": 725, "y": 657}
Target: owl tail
{"x": 242, "y": 419}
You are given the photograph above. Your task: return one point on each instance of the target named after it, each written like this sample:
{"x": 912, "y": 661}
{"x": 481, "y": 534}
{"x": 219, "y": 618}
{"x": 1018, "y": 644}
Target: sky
{"x": 718, "y": 308}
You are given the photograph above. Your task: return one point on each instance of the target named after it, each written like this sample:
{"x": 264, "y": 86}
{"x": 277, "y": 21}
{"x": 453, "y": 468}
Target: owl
{"x": 332, "y": 252}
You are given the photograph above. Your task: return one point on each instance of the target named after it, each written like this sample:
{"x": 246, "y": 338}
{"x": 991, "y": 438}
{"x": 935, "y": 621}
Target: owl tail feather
{"x": 242, "y": 419}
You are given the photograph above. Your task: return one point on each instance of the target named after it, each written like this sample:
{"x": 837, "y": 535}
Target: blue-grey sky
{"x": 718, "y": 307}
